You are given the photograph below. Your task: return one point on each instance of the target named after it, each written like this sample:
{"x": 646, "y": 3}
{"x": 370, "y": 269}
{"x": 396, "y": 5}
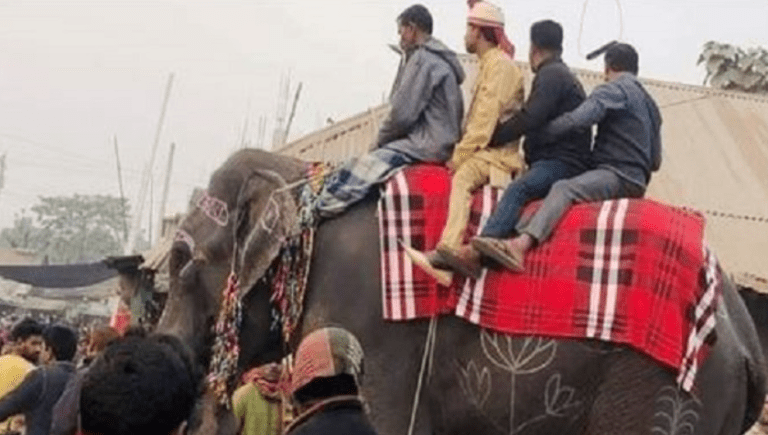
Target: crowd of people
{"x": 137, "y": 383}
{"x": 150, "y": 384}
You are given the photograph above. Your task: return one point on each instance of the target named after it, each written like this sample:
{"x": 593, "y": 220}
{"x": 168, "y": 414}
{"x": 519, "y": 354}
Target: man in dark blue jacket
{"x": 627, "y": 150}
{"x": 40, "y": 390}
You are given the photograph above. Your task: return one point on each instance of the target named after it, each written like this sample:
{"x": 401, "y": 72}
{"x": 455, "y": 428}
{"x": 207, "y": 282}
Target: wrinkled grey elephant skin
{"x": 476, "y": 382}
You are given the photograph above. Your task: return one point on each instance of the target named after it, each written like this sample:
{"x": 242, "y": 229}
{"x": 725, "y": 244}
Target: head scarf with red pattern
{"x": 485, "y": 14}
{"x": 325, "y": 353}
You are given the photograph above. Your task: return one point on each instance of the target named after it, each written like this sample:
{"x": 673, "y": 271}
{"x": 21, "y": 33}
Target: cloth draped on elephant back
{"x": 626, "y": 271}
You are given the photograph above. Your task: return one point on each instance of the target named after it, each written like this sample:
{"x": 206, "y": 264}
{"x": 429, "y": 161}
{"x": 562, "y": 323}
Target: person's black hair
{"x": 324, "y": 388}
{"x": 25, "y": 329}
{"x": 186, "y": 355}
{"x": 622, "y": 57}
{"x": 135, "y": 331}
{"x": 62, "y": 341}
{"x": 138, "y": 385}
{"x": 417, "y": 15}
{"x": 547, "y": 35}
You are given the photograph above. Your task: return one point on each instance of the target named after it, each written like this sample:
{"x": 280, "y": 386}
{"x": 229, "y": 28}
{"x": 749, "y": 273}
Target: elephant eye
{"x": 180, "y": 256}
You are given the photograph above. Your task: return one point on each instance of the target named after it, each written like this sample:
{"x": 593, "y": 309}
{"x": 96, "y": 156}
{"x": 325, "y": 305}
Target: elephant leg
{"x": 625, "y": 402}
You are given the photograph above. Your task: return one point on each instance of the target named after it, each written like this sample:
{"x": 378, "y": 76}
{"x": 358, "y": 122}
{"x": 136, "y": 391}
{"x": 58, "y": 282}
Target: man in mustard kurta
{"x": 497, "y": 93}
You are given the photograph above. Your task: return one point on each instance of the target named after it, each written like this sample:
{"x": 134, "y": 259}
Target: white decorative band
{"x": 214, "y": 208}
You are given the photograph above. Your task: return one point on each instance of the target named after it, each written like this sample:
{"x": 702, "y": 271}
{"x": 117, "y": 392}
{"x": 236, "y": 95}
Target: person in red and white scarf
{"x": 497, "y": 94}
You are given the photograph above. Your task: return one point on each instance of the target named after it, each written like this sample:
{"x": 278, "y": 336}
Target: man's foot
{"x": 425, "y": 262}
{"x": 507, "y": 253}
{"x": 464, "y": 260}
{"x": 437, "y": 261}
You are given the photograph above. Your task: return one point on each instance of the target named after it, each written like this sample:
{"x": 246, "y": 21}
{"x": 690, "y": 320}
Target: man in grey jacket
{"x": 627, "y": 149}
{"x": 424, "y": 121}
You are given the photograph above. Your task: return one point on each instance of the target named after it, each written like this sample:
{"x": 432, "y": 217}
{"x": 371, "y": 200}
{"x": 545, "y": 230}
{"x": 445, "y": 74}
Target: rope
{"x": 583, "y": 16}
{"x": 744, "y": 217}
{"x": 689, "y": 100}
{"x": 317, "y": 173}
{"x": 429, "y": 350}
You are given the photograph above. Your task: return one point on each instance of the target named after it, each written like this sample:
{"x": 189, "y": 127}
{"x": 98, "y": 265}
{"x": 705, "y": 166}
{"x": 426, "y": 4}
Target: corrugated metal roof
{"x": 715, "y": 159}
{"x": 12, "y": 256}
{"x": 156, "y": 258}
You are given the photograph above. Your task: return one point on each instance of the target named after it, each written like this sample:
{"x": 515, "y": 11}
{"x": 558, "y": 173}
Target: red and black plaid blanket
{"x": 626, "y": 271}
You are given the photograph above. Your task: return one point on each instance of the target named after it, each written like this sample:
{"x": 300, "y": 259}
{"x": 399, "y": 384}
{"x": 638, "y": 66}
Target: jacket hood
{"x": 653, "y": 108}
{"x": 436, "y": 46}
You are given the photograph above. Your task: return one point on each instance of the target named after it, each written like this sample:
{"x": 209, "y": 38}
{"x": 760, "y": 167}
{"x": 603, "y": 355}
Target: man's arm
{"x": 656, "y": 134}
{"x": 590, "y": 112}
{"x": 486, "y": 111}
{"x": 408, "y": 101}
{"x": 67, "y": 408}
{"x": 24, "y": 397}
{"x": 656, "y": 151}
{"x": 536, "y": 110}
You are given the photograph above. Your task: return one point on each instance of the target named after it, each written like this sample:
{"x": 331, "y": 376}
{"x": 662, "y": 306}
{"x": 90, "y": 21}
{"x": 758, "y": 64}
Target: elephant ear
{"x": 267, "y": 214}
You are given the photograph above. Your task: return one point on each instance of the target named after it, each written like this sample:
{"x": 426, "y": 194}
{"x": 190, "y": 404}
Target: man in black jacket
{"x": 627, "y": 150}
{"x": 325, "y": 385}
{"x": 555, "y": 91}
{"x": 40, "y": 390}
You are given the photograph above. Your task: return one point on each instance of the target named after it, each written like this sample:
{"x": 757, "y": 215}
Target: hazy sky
{"x": 73, "y": 74}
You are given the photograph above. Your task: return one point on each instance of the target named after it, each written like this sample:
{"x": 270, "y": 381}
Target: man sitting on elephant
{"x": 424, "y": 121}
{"x": 498, "y": 92}
{"x": 627, "y": 149}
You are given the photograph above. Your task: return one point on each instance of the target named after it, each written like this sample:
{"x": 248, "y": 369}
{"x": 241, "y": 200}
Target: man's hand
{"x": 494, "y": 141}
{"x": 451, "y": 166}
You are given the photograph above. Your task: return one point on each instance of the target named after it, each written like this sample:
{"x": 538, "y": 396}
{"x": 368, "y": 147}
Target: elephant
{"x": 440, "y": 376}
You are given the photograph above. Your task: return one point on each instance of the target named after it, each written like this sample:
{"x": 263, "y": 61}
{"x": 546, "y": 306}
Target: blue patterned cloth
{"x": 356, "y": 179}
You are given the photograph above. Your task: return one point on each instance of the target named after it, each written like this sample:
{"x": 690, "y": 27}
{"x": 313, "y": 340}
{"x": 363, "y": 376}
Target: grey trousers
{"x": 595, "y": 185}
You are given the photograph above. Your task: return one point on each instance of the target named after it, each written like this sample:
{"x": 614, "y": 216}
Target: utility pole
{"x": 293, "y": 112}
{"x": 262, "y": 132}
{"x": 278, "y": 138}
{"x": 166, "y": 186}
{"x": 151, "y": 201}
{"x": 244, "y": 142}
{"x": 122, "y": 194}
{"x": 2, "y": 171}
{"x": 147, "y": 175}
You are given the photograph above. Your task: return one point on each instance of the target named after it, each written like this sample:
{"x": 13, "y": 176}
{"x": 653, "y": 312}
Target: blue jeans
{"x": 534, "y": 184}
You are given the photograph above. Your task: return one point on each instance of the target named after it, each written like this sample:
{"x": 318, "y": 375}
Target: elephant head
{"x": 239, "y": 223}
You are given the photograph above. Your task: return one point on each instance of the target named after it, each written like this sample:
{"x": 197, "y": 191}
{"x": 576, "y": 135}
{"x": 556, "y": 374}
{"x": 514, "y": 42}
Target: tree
{"x": 71, "y": 229}
{"x": 730, "y": 67}
{"x": 23, "y": 235}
